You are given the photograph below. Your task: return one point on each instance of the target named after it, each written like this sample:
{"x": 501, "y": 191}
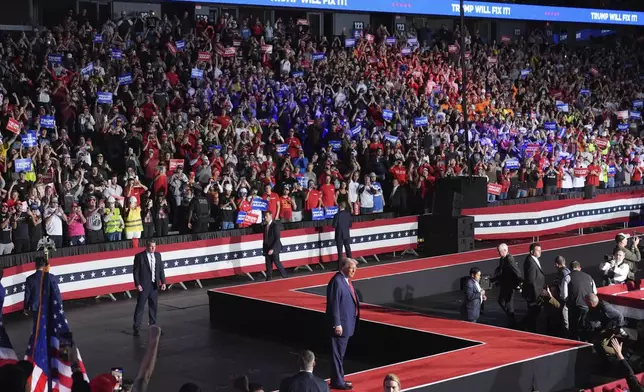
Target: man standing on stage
{"x": 149, "y": 276}
{"x": 509, "y": 279}
{"x": 533, "y": 284}
{"x": 342, "y": 226}
{"x": 32, "y": 286}
{"x": 579, "y": 286}
{"x": 272, "y": 246}
{"x": 343, "y": 312}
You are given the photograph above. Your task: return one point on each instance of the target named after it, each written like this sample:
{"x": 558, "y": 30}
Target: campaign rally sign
{"x": 622, "y": 127}
{"x": 580, "y": 171}
{"x": 47, "y": 122}
{"x": 302, "y": 22}
{"x": 387, "y": 114}
{"x": 13, "y": 125}
{"x": 493, "y": 188}
{"x": 335, "y": 145}
{"x": 30, "y": 139}
{"x": 241, "y": 215}
{"x": 174, "y": 163}
{"x": 171, "y": 47}
{"x": 611, "y": 169}
{"x": 420, "y": 121}
{"x": 636, "y": 115}
{"x": 22, "y": 165}
{"x": 512, "y": 163}
{"x": 98, "y": 38}
{"x": 259, "y": 204}
{"x": 318, "y": 56}
{"x": 329, "y": 212}
{"x": 638, "y": 103}
{"x": 205, "y": 57}
{"x": 391, "y": 139}
{"x": 532, "y": 148}
{"x": 601, "y": 143}
{"x": 412, "y": 41}
{"x": 584, "y": 91}
{"x": 87, "y": 69}
{"x": 297, "y": 74}
{"x": 562, "y": 107}
{"x": 318, "y": 214}
{"x": 357, "y": 34}
{"x": 506, "y": 39}
{"x": 55, "y": 58}
{"x": 492, "y": 60}
{"x": 104, "y": 97}
{"x": 356, "y": 130}
{"x": 117, "y": 54}
{"x": 125, "y": 79}
{"x": 268, "y": 49}
{"x": 525, "y": 72}
{"x": 282, "y": 148}
{"x": 180, "y": 45}
{"x": 390, "y": 41}
{"x": 550, "y": 126}
{"x": 405, "y": 51}
{"x": 349, "y": 42}
{"x": 622, "y": 114}
{"x": 196, "y": 73}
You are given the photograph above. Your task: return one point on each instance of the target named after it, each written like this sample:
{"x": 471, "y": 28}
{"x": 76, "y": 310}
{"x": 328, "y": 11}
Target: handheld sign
{"x": 88, "y": 69}
{"x": 13, "y": 125}
{"x": 512, "y": 163}
{"x": 581, "y": 172}
{"x": 550, "y": 126}
{"x": 180, "y": 45}
{"x": 117, "y": 54}
{"x": 47, "y": 122}
{"x": 282, "y": 148}
{"x": 392, "y": 139}
{"x": 390, "y": 41}
{"x": 493, "y": 188}
{"x": 104, "y": 97}
{"x": 329, "y": 212}
{"x": 98, "y": 38}
{"x": 30, "y": 139}
{"x": 174, "y": 163}
{"x": 356, "y": 130}
{"x": 55, "y": 58}
{"x": 317, "y": 214}
{"x": 197, "y": 73}
{"x": 22, "y": 165}
{"x": 241, "y": 215}
{"x": 259, "y": 204}
{"x": 204, "y": 56}
{"x": 349, "y": 42}
{"x": 335, "y": 145}
{"x": 125, "y": 79}
{"x": 420, "y": 121}
{"x": 318, "y": 56}
{"x": 387, "y": 114}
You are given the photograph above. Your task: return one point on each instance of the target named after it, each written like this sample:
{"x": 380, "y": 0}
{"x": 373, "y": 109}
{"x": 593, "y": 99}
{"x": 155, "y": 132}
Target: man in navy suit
{"x": 342, "y": 226}
{"x": 305, "y": 381}
{"x": 272, "y": 246}
{"x": 33, "y": 286}
{"x": 149, "y": 276}
{"x": 474, "y": 297}
{"x": 343, "y": 312}
{"x": 534, "y": 282}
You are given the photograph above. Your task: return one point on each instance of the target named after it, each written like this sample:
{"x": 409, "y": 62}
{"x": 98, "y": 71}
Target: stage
{"x": 427, "y": 353}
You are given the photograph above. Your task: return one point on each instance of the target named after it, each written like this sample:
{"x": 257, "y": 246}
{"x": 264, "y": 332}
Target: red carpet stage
{"x": 628, "y": 298}
{"x": 427, "y": 353}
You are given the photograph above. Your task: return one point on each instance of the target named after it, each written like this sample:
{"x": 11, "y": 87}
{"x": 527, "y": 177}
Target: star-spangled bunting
{"x": 211, "y": 258}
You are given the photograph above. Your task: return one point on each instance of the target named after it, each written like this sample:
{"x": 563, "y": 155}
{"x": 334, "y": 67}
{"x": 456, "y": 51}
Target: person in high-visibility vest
{"x": 114, "y": 224}
{"x": 133, "y": 224}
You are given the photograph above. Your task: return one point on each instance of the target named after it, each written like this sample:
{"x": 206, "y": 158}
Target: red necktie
{"x": 353, "y": 294}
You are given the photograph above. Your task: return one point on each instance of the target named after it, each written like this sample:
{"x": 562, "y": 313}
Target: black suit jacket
{"x": 272, "y": 238}
{"x": 533, "y": 280}
{"x": 398, "y": 199}
{"x": 304, "y": 382}
{"x": 342, "y": 224}
{"x": 143, "y": 274}
{"x": 510, "y": 276}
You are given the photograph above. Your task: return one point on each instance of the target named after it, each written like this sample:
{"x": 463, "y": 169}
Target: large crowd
{"x": 153, "y": 123}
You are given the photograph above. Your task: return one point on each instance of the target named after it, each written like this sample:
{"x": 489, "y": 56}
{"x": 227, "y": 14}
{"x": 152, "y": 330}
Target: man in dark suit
{"x": 398, "y": 197}
{"x": 304, "y": 381}
{"x": 33, "y": 287}
{"x": 342, "y": 226}
{"x": 533, "y": 284}
{"x": 149, "y": 276}
{"x": 509, "y": 279}
{"x": 343, "y": 312}
{"x": 474, "y": 297}
{"x": 272, "y": 246}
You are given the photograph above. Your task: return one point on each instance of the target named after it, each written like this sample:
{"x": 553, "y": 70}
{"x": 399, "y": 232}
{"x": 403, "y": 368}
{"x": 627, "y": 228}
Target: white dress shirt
{"x": 152, "y": 262}
{"x": 537, "y": 261}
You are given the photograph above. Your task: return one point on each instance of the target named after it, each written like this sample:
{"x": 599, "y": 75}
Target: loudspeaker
{"x": 432, "y": 225}
{"x": 588, "y": 192}
{"x": 473, "y": 190}
{"x": 447, "y": 204}
{"x": 436, "y": 246}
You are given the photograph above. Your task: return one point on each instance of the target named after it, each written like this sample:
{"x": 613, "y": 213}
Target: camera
{"x": 608, "y": 258}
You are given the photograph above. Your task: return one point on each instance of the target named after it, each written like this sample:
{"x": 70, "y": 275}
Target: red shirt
{"x": 313, "y": 200}
{"x": 399, "y": 173}
{"x": 593, "y": 179}
{"x": 287, "y": 208}
{"x": 328, "y": 195}
{"x": 272, "y": 203}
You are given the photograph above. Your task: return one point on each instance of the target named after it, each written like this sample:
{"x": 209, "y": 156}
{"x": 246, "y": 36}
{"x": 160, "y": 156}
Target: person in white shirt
{"x": 616, "y": 269}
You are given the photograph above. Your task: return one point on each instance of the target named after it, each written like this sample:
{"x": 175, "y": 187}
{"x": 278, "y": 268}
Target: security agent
{"x": 198, "y": 211}
{"x": 631, "y": 251}
{"x": 580, "y": 285}
{"x": 604, "y": 322}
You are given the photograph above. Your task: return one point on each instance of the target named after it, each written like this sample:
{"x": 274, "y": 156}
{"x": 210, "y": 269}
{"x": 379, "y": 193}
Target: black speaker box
{"x": 431, "y": 225}
{"x": 436, "y": 246}
{"x": 473, "y": 189}
{"x": 588, "y": 192}
{"x": 447, "y": 204}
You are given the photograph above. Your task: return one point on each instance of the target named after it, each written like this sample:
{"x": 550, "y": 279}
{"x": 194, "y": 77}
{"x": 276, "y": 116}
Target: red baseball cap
{"x": 103, "y": 383}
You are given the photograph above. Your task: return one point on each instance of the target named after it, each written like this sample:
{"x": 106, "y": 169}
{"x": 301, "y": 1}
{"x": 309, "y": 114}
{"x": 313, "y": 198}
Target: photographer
{"x": 616, "y": 270}
{"x": 631, "y": 253}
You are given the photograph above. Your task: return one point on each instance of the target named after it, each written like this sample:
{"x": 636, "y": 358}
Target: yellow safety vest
{"x": 114, "y": 224}
{"x": 133, "y": 220}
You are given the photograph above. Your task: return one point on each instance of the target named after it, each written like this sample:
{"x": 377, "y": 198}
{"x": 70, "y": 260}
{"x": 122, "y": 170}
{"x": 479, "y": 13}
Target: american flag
{"x": 50, "y": 320}
{"x": 7, "y": 354}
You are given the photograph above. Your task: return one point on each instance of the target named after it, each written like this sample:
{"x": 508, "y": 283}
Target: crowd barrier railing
{"x": 236, "y": 252}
